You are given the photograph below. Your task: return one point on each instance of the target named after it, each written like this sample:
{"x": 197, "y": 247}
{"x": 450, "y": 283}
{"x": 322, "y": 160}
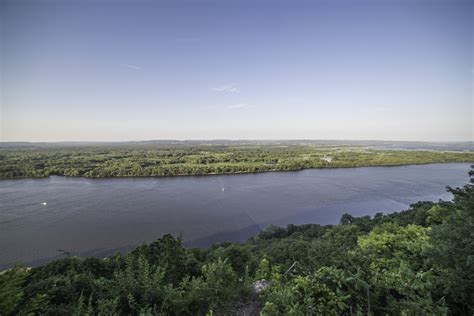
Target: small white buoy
{"x": 44, "y": 203}
{"x": 223, "y": 189}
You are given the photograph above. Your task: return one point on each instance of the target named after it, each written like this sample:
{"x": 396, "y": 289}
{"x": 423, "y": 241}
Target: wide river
{"x": 41, "y": 218}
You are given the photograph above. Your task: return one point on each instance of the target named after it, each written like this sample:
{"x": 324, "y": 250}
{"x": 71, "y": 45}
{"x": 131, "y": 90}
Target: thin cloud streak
{"x": 131, "y": 66}
{"x": 228, "y": 88}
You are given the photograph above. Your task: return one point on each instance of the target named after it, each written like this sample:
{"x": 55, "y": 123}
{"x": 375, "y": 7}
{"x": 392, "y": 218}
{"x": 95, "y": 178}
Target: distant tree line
{"x": 156, "y": 161}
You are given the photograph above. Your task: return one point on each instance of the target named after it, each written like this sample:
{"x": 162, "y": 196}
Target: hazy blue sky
{"x": 131, "y": 70}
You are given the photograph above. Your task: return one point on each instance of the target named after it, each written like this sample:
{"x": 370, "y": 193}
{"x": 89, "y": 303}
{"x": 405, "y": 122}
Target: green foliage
{"x": 332, "y": 249}
{"x": 12, "y": 298}
{"x": 238, "y": 257}
{"x": 11, "y": 291}
{"x": 406, "y": 291}
{"x": 438, "y": 214}
{"x": 221, "y": 280}
{"x": 323, "y": 292}
{"x": 386, "y": 245}
{"x": 124, "y": 160}
{"x": 189, "y": 298}
{"x": 263, "y": 271}
{"x": 394, "y": 261}
{"x": 168, "y": 253}
{"x": 453, "y": 254}
{"x": 83, "y": 308}
{"x": 139, "y": 285}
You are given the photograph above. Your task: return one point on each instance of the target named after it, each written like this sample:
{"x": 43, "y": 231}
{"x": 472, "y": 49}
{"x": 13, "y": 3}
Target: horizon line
{"x": 234, "y": 140}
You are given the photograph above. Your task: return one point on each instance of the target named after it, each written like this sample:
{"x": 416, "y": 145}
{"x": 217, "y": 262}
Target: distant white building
{"x": 327, "y": 159}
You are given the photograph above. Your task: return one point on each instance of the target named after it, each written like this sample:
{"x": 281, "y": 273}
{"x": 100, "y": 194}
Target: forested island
{"x": 154, "y": 159}
{"x": 415, "y": 262}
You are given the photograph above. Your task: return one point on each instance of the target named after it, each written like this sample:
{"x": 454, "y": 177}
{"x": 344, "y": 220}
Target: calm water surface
{"x": 100, "y": 216}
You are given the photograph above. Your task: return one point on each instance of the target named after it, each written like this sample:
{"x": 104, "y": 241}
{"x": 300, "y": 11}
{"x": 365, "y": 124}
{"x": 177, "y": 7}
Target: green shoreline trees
{"x": 156, "y": 161}
{"x": 415, "y": 262}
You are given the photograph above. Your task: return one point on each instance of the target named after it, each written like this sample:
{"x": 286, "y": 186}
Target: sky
{"x": 142, "y": 70}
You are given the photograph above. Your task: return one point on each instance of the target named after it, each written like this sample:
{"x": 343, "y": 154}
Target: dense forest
{"x": 147, "y": 160}
{"x": 416, "y": 262}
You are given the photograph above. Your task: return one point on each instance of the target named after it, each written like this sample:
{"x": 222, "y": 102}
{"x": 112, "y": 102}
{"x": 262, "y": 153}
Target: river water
{"x": 100, "y": 216}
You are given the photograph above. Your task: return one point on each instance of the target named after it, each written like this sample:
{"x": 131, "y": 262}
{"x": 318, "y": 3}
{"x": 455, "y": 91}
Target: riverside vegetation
{"x": 415, "y": 262}
{"x": 142, "y": 159}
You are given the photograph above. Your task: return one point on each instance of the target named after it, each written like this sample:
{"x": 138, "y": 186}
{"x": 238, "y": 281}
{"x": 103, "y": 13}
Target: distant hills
{"x": 376, "y": 144}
